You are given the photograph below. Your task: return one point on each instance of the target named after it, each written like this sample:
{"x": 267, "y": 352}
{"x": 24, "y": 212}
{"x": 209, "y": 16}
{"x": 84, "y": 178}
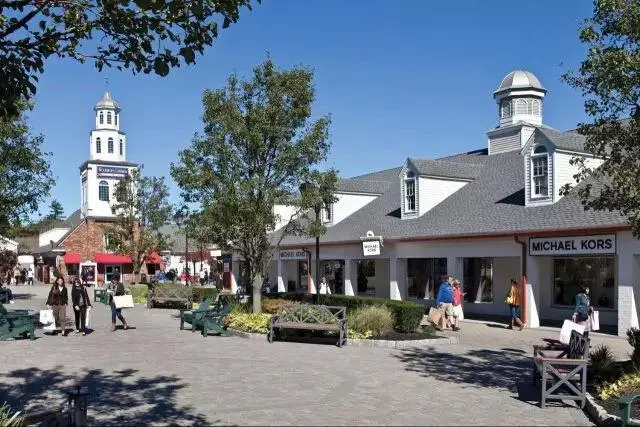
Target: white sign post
{"x": 603, "y": 244}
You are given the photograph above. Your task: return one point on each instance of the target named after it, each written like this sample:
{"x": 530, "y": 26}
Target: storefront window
{"x": 477, "y": 279}
{"x": 333, "y": 271}
{"x": 424, "y": 276}
{"x": 366, "y": 270}
{"x": 570, "y": 274}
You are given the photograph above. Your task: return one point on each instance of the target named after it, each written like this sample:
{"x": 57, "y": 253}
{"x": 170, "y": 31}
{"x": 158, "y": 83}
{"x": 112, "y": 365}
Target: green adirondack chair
{"x": 16, "y": 323}
{"x": 214, "y": 321}
{"x": 193, "y": 317}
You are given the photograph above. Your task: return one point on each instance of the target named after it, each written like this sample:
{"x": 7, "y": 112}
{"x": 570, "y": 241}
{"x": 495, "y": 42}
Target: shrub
{"x": 633, "y": 338}
{"x": 627, "y": 384}
{"x": 407, "y": 315}
{"x": 272, "y": 306}
{"x": 358, "y": 336}
{"x": 139, "y": 293}
{"x": 202, "y": 293}
{"x": 250, "y": 322}
{"x": 603, "y": 364}
{"x": 374, "y": 318}
{"x": 9, "y": 419}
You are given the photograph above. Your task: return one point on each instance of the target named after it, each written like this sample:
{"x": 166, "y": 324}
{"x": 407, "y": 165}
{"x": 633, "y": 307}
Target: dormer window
{"x": 327, "y": 213}
{"x": 410, "y": 192}
{"x": 505, "y": 109}
{"x": 540, "y": 172}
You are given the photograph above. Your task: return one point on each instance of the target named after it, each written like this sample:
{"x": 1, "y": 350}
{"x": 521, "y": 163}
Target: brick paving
{"x": 156, "y": 374}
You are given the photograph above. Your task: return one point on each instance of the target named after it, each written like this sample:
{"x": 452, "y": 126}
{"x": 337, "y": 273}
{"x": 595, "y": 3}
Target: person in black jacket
{"x": 116, "y": 288}
{"x": 81, "y": 303}
{"x": 57, "y": 301}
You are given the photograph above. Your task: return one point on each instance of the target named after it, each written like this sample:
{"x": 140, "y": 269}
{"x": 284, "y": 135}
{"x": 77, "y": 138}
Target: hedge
{"x": 199, "y": 293}
{"x": 407, "y": 314}
{"x": 139, "y": 293}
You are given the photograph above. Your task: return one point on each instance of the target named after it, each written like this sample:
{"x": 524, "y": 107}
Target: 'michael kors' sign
{"x": 604, "y": 244}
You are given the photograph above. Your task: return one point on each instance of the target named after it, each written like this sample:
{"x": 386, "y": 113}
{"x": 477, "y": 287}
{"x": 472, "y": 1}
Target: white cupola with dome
{"x": 107, "y": 162}
{"x": 519, "y": 98}
{"x": 107, "y": 142}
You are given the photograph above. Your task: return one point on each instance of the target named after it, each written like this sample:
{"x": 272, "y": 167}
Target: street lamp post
{"x": 180, "y": 219}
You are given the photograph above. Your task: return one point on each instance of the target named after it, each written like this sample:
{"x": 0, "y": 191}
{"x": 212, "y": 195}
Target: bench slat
{"x": 322, "y": 326}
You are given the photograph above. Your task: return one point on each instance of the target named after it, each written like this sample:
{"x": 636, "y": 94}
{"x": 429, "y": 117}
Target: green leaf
{"x": 160, "y": 67}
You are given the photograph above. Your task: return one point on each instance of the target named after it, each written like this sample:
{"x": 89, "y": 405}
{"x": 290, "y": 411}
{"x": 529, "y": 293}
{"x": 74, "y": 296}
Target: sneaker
{"x": 457, "y": 328}
{"x": 84, "y": 334}
{"x": 77, "y": 331}
{"x": 524, "y": 325}
{"x": 12, "y": 302}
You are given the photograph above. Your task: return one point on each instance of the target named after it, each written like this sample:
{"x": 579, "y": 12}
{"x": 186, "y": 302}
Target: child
{"x": 457, "y": 304}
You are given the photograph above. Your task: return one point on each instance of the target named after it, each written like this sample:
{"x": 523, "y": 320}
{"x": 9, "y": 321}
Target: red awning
{"x": 154, "y": 258}
{"x": 102, "y": 258}
{"x": 72, "y": 258}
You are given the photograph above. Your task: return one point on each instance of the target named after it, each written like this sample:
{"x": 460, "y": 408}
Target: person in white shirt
{"x": 201, "y": 277}
{"x": 324, "y": 286}
{"x": 30, "y": 276}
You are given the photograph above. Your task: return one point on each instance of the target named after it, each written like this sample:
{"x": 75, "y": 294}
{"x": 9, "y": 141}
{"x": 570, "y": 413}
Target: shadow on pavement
{"x": 115, "y": 398}
{"x": 477, "y": 368}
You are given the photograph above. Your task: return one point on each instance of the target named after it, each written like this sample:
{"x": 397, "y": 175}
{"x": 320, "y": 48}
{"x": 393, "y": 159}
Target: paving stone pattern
{"x": 156, "y": 374}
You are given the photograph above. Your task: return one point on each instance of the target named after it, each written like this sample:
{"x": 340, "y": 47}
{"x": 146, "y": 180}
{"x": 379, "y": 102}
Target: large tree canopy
{"x": 259, "y": 145}
{"x": 25, "y": 178}
{"x": 609, "y": 78}
{"x": 144, "y": 35}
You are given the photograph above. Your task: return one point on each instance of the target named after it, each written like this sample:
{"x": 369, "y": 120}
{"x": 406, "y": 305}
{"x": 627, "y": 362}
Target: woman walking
{"x": 81, "y": 303}
{"x": 116, "y": 289}
{"x": 583, "y": 310}
{"x": 57, "y": 300}
{"x": 514, "y": 299}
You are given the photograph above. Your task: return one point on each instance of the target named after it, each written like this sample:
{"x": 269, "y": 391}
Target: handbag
{"x": 595, "y": 320}
{"x": 123, "y": 301}
{"x": 567, "y": 327}
{"x": 435, "y": 315}
{"x": 88, "y": 316}
{"x": 48, "y": 320}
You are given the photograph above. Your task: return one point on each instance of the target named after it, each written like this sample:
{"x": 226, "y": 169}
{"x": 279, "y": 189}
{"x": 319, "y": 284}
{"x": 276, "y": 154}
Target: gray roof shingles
{"x": 493, "y": 203}
{"x": 446, "y": 168}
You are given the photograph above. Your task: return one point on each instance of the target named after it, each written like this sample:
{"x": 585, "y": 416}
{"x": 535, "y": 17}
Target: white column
{"x": 312, "y": 283}
{"x": 348, "y": 283}
{"x": 403, "y": 284}
{"x": 394, "y": 289}
{"x": 235, "y": 268}
{"x": 281, "y": 287}
{"x": 534, "y": 283}
{"x": 627, "y": 292}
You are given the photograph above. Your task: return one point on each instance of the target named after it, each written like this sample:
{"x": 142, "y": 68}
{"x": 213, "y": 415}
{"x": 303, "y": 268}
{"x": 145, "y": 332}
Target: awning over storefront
{"x": 72, "y": 258}
{"x": 154, "y": 258}
{"x": 102, "y": 258}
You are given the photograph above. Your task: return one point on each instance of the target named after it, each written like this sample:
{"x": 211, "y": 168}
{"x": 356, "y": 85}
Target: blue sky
{"x": 404, "y": 78}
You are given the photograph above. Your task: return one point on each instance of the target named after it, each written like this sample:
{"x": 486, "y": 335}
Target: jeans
{"x": 60, "y": 314}
{"x": 116, "y": 312}
{"x": 514, "y": 311}
{"x": 81, "y": 318}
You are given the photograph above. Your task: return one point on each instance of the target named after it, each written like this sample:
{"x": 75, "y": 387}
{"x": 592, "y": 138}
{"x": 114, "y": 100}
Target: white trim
{"x": 532, "y": 193}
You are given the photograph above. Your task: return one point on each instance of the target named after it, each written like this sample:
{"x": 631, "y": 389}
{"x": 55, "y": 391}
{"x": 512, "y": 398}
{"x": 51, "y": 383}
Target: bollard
{"x": 78, "y": 406}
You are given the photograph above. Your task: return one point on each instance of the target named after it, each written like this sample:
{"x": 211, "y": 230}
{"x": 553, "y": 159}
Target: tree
{"x": 608, "y": 78}
{"x": 259, "y": 145}
{"x": 143, "y": 35}
{"x": 25, "y": 177}
{"x": 142, "y": 208}
{"x": 56, "y": 211}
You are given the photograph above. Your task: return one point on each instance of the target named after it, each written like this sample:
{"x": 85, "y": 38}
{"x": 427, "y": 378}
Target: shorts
{"x": 447, "y": 307}
{"x": 515, "y": 311}
{"x": 457, "y": 311}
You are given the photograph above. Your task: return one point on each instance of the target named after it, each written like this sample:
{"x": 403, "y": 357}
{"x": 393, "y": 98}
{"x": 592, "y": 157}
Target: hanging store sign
{"x": 293, "y": 254}
{"x": 112, "y": 172}
{"x": 371, "y": 248}
{"x": 604, "y": 244}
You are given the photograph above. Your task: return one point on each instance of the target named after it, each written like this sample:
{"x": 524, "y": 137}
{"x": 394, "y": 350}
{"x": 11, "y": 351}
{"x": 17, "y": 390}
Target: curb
{"x": 600, "y": 416}
{"x": 403, "y": 344}
{"x": 366, "y": 343}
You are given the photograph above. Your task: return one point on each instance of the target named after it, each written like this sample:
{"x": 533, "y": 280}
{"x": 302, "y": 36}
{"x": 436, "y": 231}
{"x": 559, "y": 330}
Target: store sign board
{"x": 293, "y": 254}
{"x": 112, "y": 172}
{"x": 603, "y": 244}
{"x": 371, "y": 248}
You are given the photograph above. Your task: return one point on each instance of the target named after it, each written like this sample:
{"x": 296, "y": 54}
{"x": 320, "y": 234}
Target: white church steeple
{"x": 107, "y": 141}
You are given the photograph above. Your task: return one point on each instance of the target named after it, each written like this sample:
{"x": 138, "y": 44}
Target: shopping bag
{"x": 48, "y": 320}
{"x": 567, "y": 327}
{"x": 435, "y": 315}
{"x": 595, "y": 320}
{"x": 86, "y": 322}
{"x": 123, "y": 301}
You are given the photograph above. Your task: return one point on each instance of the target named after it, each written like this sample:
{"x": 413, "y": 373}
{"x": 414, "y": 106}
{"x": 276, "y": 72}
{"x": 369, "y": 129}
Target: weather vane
{"x": 106, "y": 82}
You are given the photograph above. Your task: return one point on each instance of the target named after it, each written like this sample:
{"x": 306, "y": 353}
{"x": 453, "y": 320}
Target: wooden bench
{"x": 565, "y": 371}
{"x": 624, "y": 403}
{"x": 310, "y": 317}
{"x": 17, "y": 323}
{"x": 48, "y": 417}
{"x": 170, "y": 293}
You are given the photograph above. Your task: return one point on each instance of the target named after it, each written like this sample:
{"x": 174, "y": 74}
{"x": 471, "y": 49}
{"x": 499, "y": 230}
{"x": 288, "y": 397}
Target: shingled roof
{"x": 446, "y": 168}
{"x": 492, "y": 203}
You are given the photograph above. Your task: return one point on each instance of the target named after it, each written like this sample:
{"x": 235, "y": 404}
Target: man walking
{"x": 444, "y": 301}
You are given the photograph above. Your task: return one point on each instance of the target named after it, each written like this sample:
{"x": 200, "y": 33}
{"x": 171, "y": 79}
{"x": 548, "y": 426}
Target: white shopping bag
{"x": 595, "y": 321}
{"x": 567, "y": 327}
{"x": 86, "y": 322}
{"x": 123, "y": 301}
{"x": 48, "y": 320}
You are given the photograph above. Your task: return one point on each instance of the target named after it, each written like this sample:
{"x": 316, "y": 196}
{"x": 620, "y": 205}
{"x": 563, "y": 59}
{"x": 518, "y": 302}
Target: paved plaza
{"x": 156, "y": 374}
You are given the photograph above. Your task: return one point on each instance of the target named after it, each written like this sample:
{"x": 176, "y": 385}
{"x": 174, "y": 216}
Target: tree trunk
{"x": 257, "y": 293}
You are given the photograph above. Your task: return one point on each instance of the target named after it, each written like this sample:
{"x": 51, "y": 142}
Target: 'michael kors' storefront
{"x": 565, "y": 264}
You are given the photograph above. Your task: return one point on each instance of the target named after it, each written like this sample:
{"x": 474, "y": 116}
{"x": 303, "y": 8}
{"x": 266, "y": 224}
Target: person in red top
{"x": 457, "y": 304}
